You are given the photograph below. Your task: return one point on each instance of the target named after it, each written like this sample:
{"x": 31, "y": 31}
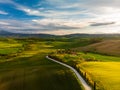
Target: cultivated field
{"x": 107, "y": 47}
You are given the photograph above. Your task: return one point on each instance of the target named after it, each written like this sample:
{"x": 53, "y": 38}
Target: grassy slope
{"x": 32, "y": 71}
{"x": 104, "y": 57}
{"x": 105, "y": 73}
{"x": 106, "y": 70}
{"x": 8, "y": 48}
{"x": 108, "y": 47}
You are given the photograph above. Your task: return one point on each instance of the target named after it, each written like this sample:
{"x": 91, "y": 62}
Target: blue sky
{"x": 60, "y": 16}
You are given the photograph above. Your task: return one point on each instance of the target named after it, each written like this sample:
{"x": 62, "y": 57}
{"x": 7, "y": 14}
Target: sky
{"x": 60, "y": 16}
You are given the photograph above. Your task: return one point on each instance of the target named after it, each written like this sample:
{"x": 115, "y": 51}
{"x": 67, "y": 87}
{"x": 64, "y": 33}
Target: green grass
{"x": 106, "y": 74}
{"x": 104, "y": 70}
{"x": 40, "y": 74}
{"x": 8, "y": 48}
{"x": 8, "y": 45}
{"x": 69, "y": 43}
{"x": 104, "y": 57}
{"x": 32, "y": 71}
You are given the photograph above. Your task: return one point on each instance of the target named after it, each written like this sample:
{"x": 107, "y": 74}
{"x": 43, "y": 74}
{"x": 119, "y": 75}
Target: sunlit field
{"x": 8, "y": 48}
{"x": 105, "y": 74}
{"x": 82, "y": 35}
{"x": 97, "y": 68}
{"x": 30, "y": 70}
{"x": 23, "y": 65}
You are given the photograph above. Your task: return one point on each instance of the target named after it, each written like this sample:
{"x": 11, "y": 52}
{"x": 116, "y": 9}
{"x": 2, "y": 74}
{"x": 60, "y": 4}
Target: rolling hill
{"x": 4, "y": 33}
{"x": 107, "y": 47}
{"x": 19, "y": 35}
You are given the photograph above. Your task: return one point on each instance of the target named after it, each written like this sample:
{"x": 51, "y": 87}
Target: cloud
{"x": 65, "y": 16}
{"x": 58, "y": 27}
{"x": 102, "y": 24}
{"x": 51, "y": 13}
{"x": 32, "y": 26}
{"x": 102, "y": 3}
{"x": 3, "y": 12}
{"x": 3, "y": 23}
{"x": 54, "y": 27}
{"x": 61, "y": 23}
{"x": 5, "y": 1}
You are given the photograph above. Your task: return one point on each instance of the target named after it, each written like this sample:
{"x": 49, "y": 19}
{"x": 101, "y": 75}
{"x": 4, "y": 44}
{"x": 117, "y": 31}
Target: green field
{"x": 8, "y": 48}
{"x": 105, "y": 74}
{"x": 30, "y": 70}
{"x": 102, "y": 69}
{"x": 23, "y": 65}
{"x": 104, "y": 57}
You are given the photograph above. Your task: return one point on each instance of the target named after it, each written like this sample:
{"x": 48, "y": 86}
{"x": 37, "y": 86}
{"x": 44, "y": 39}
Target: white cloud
{"x": 62, "y": 22}
{"x": 3, "y": 13}
{"x": 54, "y": 27}
{"x": 68, "y": 16}
{"x": 3, "y": 23}
{"x": 5, "y": 1}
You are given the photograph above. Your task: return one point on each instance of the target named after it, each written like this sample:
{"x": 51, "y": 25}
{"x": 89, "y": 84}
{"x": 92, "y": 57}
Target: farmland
{"x": 97, "y": 68}
{"x": 59, "y": 44}
{"x": 23, "y": 65}
{"x": 30, "y": 70}
{"x": 106, "y": 47}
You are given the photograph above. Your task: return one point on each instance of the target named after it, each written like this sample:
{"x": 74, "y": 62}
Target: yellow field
{"x": 106, "y": 74}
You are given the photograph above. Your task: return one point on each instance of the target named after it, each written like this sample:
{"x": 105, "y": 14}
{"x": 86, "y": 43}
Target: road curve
{"x": 82, "y": 81}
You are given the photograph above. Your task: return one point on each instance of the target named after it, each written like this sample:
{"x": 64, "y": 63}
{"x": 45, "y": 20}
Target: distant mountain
{"x": 10, "y": 34}
{"x": 2, "y": 32}
{"x": 92, "y": 35}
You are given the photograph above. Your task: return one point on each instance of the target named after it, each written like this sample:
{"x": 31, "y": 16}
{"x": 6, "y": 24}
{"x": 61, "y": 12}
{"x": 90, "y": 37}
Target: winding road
{"x": 82, "y": 81}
